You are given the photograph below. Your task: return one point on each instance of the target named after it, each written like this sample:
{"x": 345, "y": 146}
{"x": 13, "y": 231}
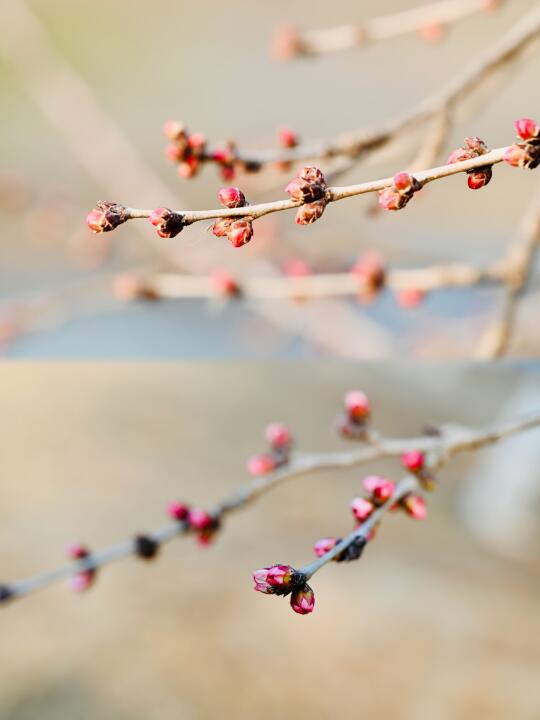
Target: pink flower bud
{"x": 361, "y": 508}
{"x": 310, "y": 213}
{"x": 261, "y": 465}
{"x": 371, "y": 482}
{"x": 240, "y": 232}
{"x": 222, "y": 227}
{"x": 527, "y": 129}
{"x": 77, "y": 551}
{"x": 174, "y": 153}
{"x": 308, "y": 186}
{"x": 189, "y": 167}
{"x": 431, "y": 32}
{"x": 225, "y": 284}
{"x": 287, "y": 138}
{"x": 174, "y": 130}
{"x": 167, "y": 222}
{"x": 278, "y": 436}
{"x": 260, "y": 577}
{"x": 177, "y": 510}
{"x": 286, "y": 44}
{"x": 303, "y": 600}
{"x": 410, "y": 297}
{"x": 415, "y": 506}
{"x": 106, "y": 216}
{"x": 380, "y": 488}
{"x": 369, "y": 269}
{"x": 200, "y": 519}
{"x": 515, "y": 156}
{"x": 403, "y": 182}
{"x": 324, "y": 545}
{"x": 390, "y": 199}
{"x": 476, "y": 145}
{"x": 232, "y": 197}
{"x": 280, "y": 576}
{"x": 228, "y": 172}
{"x": 197, "y": 142}
{"x": 413, "y": 461}
{"x": 357, "y": 405}
{"x": 459, "y": 155}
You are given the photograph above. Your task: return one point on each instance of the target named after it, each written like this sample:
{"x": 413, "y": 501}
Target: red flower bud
{"x": 200, "y": 519}
{"x": 413, "y": 461}
{"x": 232, "y": 197}
{"x": 106, "y": 216}
{"x": 167, "y": 222}
{"x": 361, "y": 508}
{"x": 189, "y": 167}
{"x": 261, "y": 465}
{"x": 303, "y": 600}
{"x": 240, "y": 232}
{"x": 478, "y": 178}
{"x": 324, "y": 545}
{"x": 278, "y": 436}
{"x": 177, "y": 510}
{"x": 308, "y": 214}
{"x": 527, "y": 129}
{"x": 380, "y": 488}
{"x": 308, "y": 186}
{"x": 415, "y": 506}
{"x": 357, "y": 405}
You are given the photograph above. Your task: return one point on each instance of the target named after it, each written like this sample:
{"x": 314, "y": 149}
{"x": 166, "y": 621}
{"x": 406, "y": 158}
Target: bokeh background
{"x": 438, "y": 620}
{"x": 69, "y": 70}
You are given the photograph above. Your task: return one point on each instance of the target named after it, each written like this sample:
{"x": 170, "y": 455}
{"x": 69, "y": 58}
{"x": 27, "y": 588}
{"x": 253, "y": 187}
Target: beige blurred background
{"x": 436, "y": 621}
{"x": 208, "y": 64}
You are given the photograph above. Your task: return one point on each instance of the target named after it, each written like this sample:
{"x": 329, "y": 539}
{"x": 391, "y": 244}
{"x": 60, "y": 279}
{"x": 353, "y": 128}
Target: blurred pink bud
{"x": 413, "y": 460}
{"x": 76, "y": 551}
{"x": 200, "y": 519}
{"x": 81, "y": 581}
{"x": 261, "y": 465}
{"x": 287, "y": 138}
{"x": 357, "y": 405}
{"x": 415, "y": 506}
{"x": 324, "y": 545}
{"x": 286, "y": 44}
{"x": 225, "y": 284}
{"x": 410, "y": 297}
{"x": 232, "y": 197}
{"x": 527, "y": 129}
{"x": 173, "y": 130}
{"x": 189, "y": 167}
{"x": 177, "y": 510}
{"x": 240, "y": 232}
{"x": 431, "y": 32}
{"x": 361, "y": 508}
{"x": 303, "y": 600}
{"x": 278, "y": 436}
{"x": 197, "y": 142}
{"x": 380, "y": 488}
{"x": 174, "y": 153}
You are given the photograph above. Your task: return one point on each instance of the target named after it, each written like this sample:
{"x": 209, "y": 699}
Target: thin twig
{"x": 451, "y": 439}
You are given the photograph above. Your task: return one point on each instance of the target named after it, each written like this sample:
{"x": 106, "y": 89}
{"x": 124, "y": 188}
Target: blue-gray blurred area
{"x": 208, "y": 64}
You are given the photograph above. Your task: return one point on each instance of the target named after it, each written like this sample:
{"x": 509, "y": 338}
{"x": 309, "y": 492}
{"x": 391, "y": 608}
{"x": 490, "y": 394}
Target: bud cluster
{"x": 400, "y": 192}
{"x": 199, "y": 521}
{"x": 354, "y": 423}
{"x": 525, "y": 154}
{"x": 280, "y": 441}
{"x": 238, "y": 231}
{"x": 106, "y": 216}
{"x": 188, "y": 150}
{"x": 473, "y": 147}
{"x": 84, "y": 579}
{"x": 285, "y": 580}
{"x": 167, "y": 222}
{"x": 309, "y": 187}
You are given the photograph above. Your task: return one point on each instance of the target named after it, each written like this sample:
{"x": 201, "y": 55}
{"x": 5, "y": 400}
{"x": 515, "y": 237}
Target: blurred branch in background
{"x": 420, "y": 456}
{"x": 429, "y": 21}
